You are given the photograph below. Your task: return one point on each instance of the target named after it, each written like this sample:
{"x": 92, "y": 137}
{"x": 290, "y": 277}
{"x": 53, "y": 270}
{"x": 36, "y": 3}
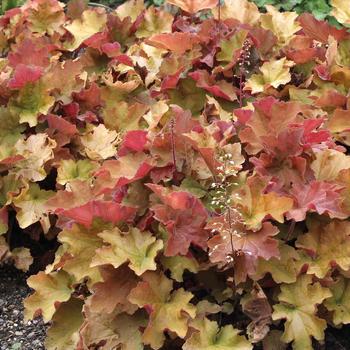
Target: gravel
{"x": 15, "y": 334}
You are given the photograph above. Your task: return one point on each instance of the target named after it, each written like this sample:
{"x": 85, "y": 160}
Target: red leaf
{"x": 61, "y": 125}
{"x": 318, "y": 196}
{"x": 170, "y": 81}
{"x": 97, "y": 40}
{"x": 184, "y": 217}
{"x": 207, "y": 82}
{"x": 71, "y": 110}
{"x": 108, "y": 211}
{"x": 111, "y": 49}
{"x": 31, "y": 53}
{"x": 89, "y": 98}
{"x": 320, "y": 30}
{"x": 255, "y": 244}
{"x": 23, "y": 75}
{"x": 331, "y": 98}
{"x": 125, "y": 170}
{"x": 323, "y": 72}
{"x": 134, "y": 141}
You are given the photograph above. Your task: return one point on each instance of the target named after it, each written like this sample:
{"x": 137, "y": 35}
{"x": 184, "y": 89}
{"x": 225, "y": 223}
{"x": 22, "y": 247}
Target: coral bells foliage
{"x": 190, "y": 161}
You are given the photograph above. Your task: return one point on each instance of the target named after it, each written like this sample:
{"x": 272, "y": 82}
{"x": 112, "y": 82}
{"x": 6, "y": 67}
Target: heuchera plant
{"x": 191, "y": 160}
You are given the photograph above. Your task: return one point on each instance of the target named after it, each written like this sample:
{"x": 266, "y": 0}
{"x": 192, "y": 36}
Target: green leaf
{"x": 194, "y": 187}
{"x": 188, "y": 96}
{"x": 70, "y": 170}
{"x": 178, "y": 264}
{"x": 31, "y": 101}
{"x": 9, "y": 4}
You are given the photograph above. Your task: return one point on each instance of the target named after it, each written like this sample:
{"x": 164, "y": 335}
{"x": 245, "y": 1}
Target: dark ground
{"x": 14, "y": 333}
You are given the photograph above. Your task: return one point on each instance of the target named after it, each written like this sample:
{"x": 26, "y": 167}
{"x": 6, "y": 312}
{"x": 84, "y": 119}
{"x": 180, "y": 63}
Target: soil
{"x": 338, "y": 339}
{"x": 15, "y": 334}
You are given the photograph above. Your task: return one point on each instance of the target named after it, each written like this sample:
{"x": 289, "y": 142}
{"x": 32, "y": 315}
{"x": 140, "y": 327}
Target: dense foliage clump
{"x": 190, "y": 163}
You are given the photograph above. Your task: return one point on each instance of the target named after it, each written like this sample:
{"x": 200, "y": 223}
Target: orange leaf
{"x": 176, "y": 42}
{"x": 193, "y": 6}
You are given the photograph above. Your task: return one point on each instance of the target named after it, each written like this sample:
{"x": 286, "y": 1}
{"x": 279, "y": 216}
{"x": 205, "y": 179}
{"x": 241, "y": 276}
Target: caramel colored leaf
{"x": 255, "y": 205}
{"x": 112, "y": 331}
{"x": 244, "y": 11}
{"x": 339, "y": 121}
{"x": 63, "y": 334}
{"x": 110, "y": 295}
{"x": 329, "y": 163}
{"x": 22, "y": 258}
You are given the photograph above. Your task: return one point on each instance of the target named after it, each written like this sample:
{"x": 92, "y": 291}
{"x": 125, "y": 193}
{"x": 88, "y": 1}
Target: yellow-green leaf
{"x": 31, "y": 101}
{"x": 30, "y": 204}
{"x": 341, "y": 11}
{"x": 298, "y": 305}
{"x": 99, "y": 143}
{"x": 273, "y": 73}
{"x": 70, "y": 170}
{"x": 91, "y": 22}
{"x": 80, "y": 243}
{"x": 282, "y": 24}
{"x": 50, "y": 291}
{"x": 178, "y": 264}
{"x": 244, "y": 11}
{"x": 339, "y": 302}
{"x": 136, "y": 247}
{"x": 170, "y": 311}
{"x": 209, "y": 336}
{"x": 326, "y": 246}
